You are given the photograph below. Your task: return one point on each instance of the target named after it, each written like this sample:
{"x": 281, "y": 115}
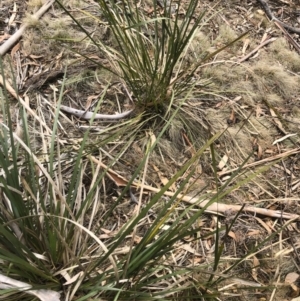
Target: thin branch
{"x": 215, "y": 208}
{"x": 288, "y": 36}
{"x": 263, "y": 161}
{"x": 18, "y": 34}
{"x": 272, "y": 18}
{"x": 89, "y": 115}
{"x": 256, "y": 49}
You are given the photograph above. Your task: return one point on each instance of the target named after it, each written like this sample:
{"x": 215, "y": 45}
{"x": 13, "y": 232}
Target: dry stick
{"x": 17, "y": 35}
{"x": 256, "y": 49}
{"x": 272, "y": 18}
{"x": 215, "y": 207}
{"x": 279, "y": 156}
{"x": 223, "y": 208}
{"x": 89, "y": 115}
{"x": 288, "y": 36}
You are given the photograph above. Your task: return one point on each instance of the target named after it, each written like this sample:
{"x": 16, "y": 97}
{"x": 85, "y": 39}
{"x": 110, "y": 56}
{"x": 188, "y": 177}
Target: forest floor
{"x": 254, "y": 99}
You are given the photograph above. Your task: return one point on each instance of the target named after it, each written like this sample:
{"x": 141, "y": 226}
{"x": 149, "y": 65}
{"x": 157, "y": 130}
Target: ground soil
{"x": 254, "y": 100}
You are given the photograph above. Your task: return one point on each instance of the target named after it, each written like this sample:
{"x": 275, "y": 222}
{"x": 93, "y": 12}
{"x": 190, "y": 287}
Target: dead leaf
{"x": 245, "y": 46}
{"x": 295, "y": 291}
{"x": 291, "y": 278}
{"x": 13, "y": 15}
{"x": 223, "y": 162}
{"x": 260, "y": 11}
{"x": 277, "y": 121}
{"x": 218, "y": 105}
{"x": 188, "y": 248}
{"x": 163, "y": 179}
{"x": 74, "y": 278}
{"x": 188, "y": 142}
{"x": 90, "y": 100}
{"x": 245, "y": 282}
{"x": 32, "y": 56}
{"x": 137, "y": 239}
{"x": 232, "y": 235}
{"x": 264, "y": 225}
{"x": 259, "y": 152}
{"x": 232, "y": 118}
{"x": 253, "y": 233}
{"x": 119, "y": 180}
{"x": 255, "y": 265}
{"x": 15, "y": 49}
{"x": 104, "y": 236}
{"x": 4, "y": 37}
{"x": 152, "y": 138}
{"x": 196, "y": 260}
{"x": 259, "y": 111}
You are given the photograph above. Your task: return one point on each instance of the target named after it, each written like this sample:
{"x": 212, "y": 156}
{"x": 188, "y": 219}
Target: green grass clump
{"x": 149, "y": 51}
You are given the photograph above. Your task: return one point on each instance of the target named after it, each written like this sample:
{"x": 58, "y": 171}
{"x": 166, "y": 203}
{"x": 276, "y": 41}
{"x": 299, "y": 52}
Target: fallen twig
{"x": 272, "y": 18}
{"x": 256, "y": 49}
{"x": 17, "y": 35}
{"x": 215, "y": 208}
{"x": 263, "y": 161}
{"x": 288, "y": 36}
{"x": 89, "y": 115}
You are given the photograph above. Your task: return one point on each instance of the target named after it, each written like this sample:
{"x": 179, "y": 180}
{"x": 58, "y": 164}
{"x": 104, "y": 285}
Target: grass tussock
{"x": 287, "y": 57}
{"x": 275, "y": 79}
{"x": 225, "y": 35}
{"x": 34, "y": 4}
